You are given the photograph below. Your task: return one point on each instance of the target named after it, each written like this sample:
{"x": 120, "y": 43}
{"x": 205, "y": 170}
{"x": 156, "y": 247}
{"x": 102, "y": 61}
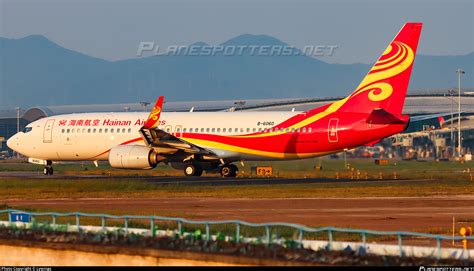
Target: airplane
{"x": 213, "y": 141}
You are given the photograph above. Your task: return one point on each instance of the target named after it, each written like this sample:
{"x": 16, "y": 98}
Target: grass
{"x": 124, "y": 188}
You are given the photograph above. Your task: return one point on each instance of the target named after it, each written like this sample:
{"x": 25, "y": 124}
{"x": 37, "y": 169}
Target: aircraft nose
{"x": 12, "y": 143}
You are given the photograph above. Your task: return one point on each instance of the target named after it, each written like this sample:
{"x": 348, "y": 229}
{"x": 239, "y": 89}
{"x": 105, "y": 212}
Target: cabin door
{"x": 48, "y": 131}
{"x": 332, "y": 130}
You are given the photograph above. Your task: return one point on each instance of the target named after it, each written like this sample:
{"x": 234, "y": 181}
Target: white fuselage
{"x": 89, "y": 136}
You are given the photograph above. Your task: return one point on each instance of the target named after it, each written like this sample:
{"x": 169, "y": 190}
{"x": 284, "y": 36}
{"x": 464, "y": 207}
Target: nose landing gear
{"x": 48, "y": 169}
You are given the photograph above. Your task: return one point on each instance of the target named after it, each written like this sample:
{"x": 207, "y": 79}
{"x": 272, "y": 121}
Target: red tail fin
{"x": 386, "y": 84}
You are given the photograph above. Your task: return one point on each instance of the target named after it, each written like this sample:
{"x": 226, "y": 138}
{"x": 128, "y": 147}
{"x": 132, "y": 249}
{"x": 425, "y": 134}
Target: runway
{"x": 183, "y": 180}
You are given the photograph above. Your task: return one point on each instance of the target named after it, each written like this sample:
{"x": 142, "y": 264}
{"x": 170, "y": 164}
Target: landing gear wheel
{"x": 48, "y": 170}
{"x": 229, "y": 171}
{"x": 192, "y": 170}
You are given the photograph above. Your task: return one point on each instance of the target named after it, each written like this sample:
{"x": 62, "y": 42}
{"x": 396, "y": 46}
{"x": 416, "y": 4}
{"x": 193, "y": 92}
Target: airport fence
{"x": 326, "y": 233}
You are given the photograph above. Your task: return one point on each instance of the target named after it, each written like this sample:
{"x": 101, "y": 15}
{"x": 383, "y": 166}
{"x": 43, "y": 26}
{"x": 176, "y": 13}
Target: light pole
{"x": 17, "y": 119}
{"x": 453, "y": 144}
{"x": 17, "y": 124}
{"x": 459, "y": 72}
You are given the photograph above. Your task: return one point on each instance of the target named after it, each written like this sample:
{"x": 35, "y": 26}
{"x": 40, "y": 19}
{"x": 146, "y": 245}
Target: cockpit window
{"x": 27, "y": 129}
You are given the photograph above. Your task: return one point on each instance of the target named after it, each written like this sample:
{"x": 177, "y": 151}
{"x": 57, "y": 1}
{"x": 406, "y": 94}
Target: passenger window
{"x": 112, "y": 130}
{"x": 254, "y": 129}
{"x": 218, "y": 130}
{"x": 213, "y": 130}
{"x": 224, "y": 130}
{"x": 184, "y": 130}
{"x": 100, "y": 130}
{"x": 202, "y": 130}
{"x": 304, "y": 130}
{"x": 309, "y": 130}
{"x": 168, "y": 130}
{"x": 248, "y": 130}
{"x": 260, "y": 129}
{"x": 68, "y": 130}
{"x": 62, "y": 131}
{"x": 123, "y": 131}
{"x": 78, "y": 130}
{"x": 298, "y": 130}
{"x": 129, "y": 130}
{"x": 287, "y": 130}
{"x": 118, "y": 130}
{"x": 89, "y": 130}
{"x": 95, "y": 130}
{"x": 207, "y": 130}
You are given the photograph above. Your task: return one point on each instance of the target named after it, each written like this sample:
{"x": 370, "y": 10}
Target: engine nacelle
{"x": 132, "y": 157}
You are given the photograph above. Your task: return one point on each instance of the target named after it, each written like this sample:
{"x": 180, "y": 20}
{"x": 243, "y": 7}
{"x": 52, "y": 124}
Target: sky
{"x": 113, "y": 29}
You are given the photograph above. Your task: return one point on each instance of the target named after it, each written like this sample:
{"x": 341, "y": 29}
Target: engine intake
{"x": 132, "y": 157}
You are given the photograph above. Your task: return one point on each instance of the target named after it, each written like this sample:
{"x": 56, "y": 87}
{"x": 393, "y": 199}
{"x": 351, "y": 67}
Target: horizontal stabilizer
{"x": 380, "y": 116}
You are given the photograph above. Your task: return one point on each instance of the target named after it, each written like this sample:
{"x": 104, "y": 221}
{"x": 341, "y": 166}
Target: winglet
{"x": 153, "y": 118}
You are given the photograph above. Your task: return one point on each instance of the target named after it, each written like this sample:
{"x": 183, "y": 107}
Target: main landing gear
{"x": 229, "y": 170}
{"x": 192, "y": 170}
{"x": 196, "y": 169}
{"x": 48, "y": 169}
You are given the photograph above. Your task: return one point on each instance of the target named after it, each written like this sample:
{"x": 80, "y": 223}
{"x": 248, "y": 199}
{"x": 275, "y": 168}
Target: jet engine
{"x": 133, "y": 157}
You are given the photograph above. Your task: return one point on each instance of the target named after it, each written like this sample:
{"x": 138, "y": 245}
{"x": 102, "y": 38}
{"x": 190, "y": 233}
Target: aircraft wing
{"x": 163, "y": 141}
